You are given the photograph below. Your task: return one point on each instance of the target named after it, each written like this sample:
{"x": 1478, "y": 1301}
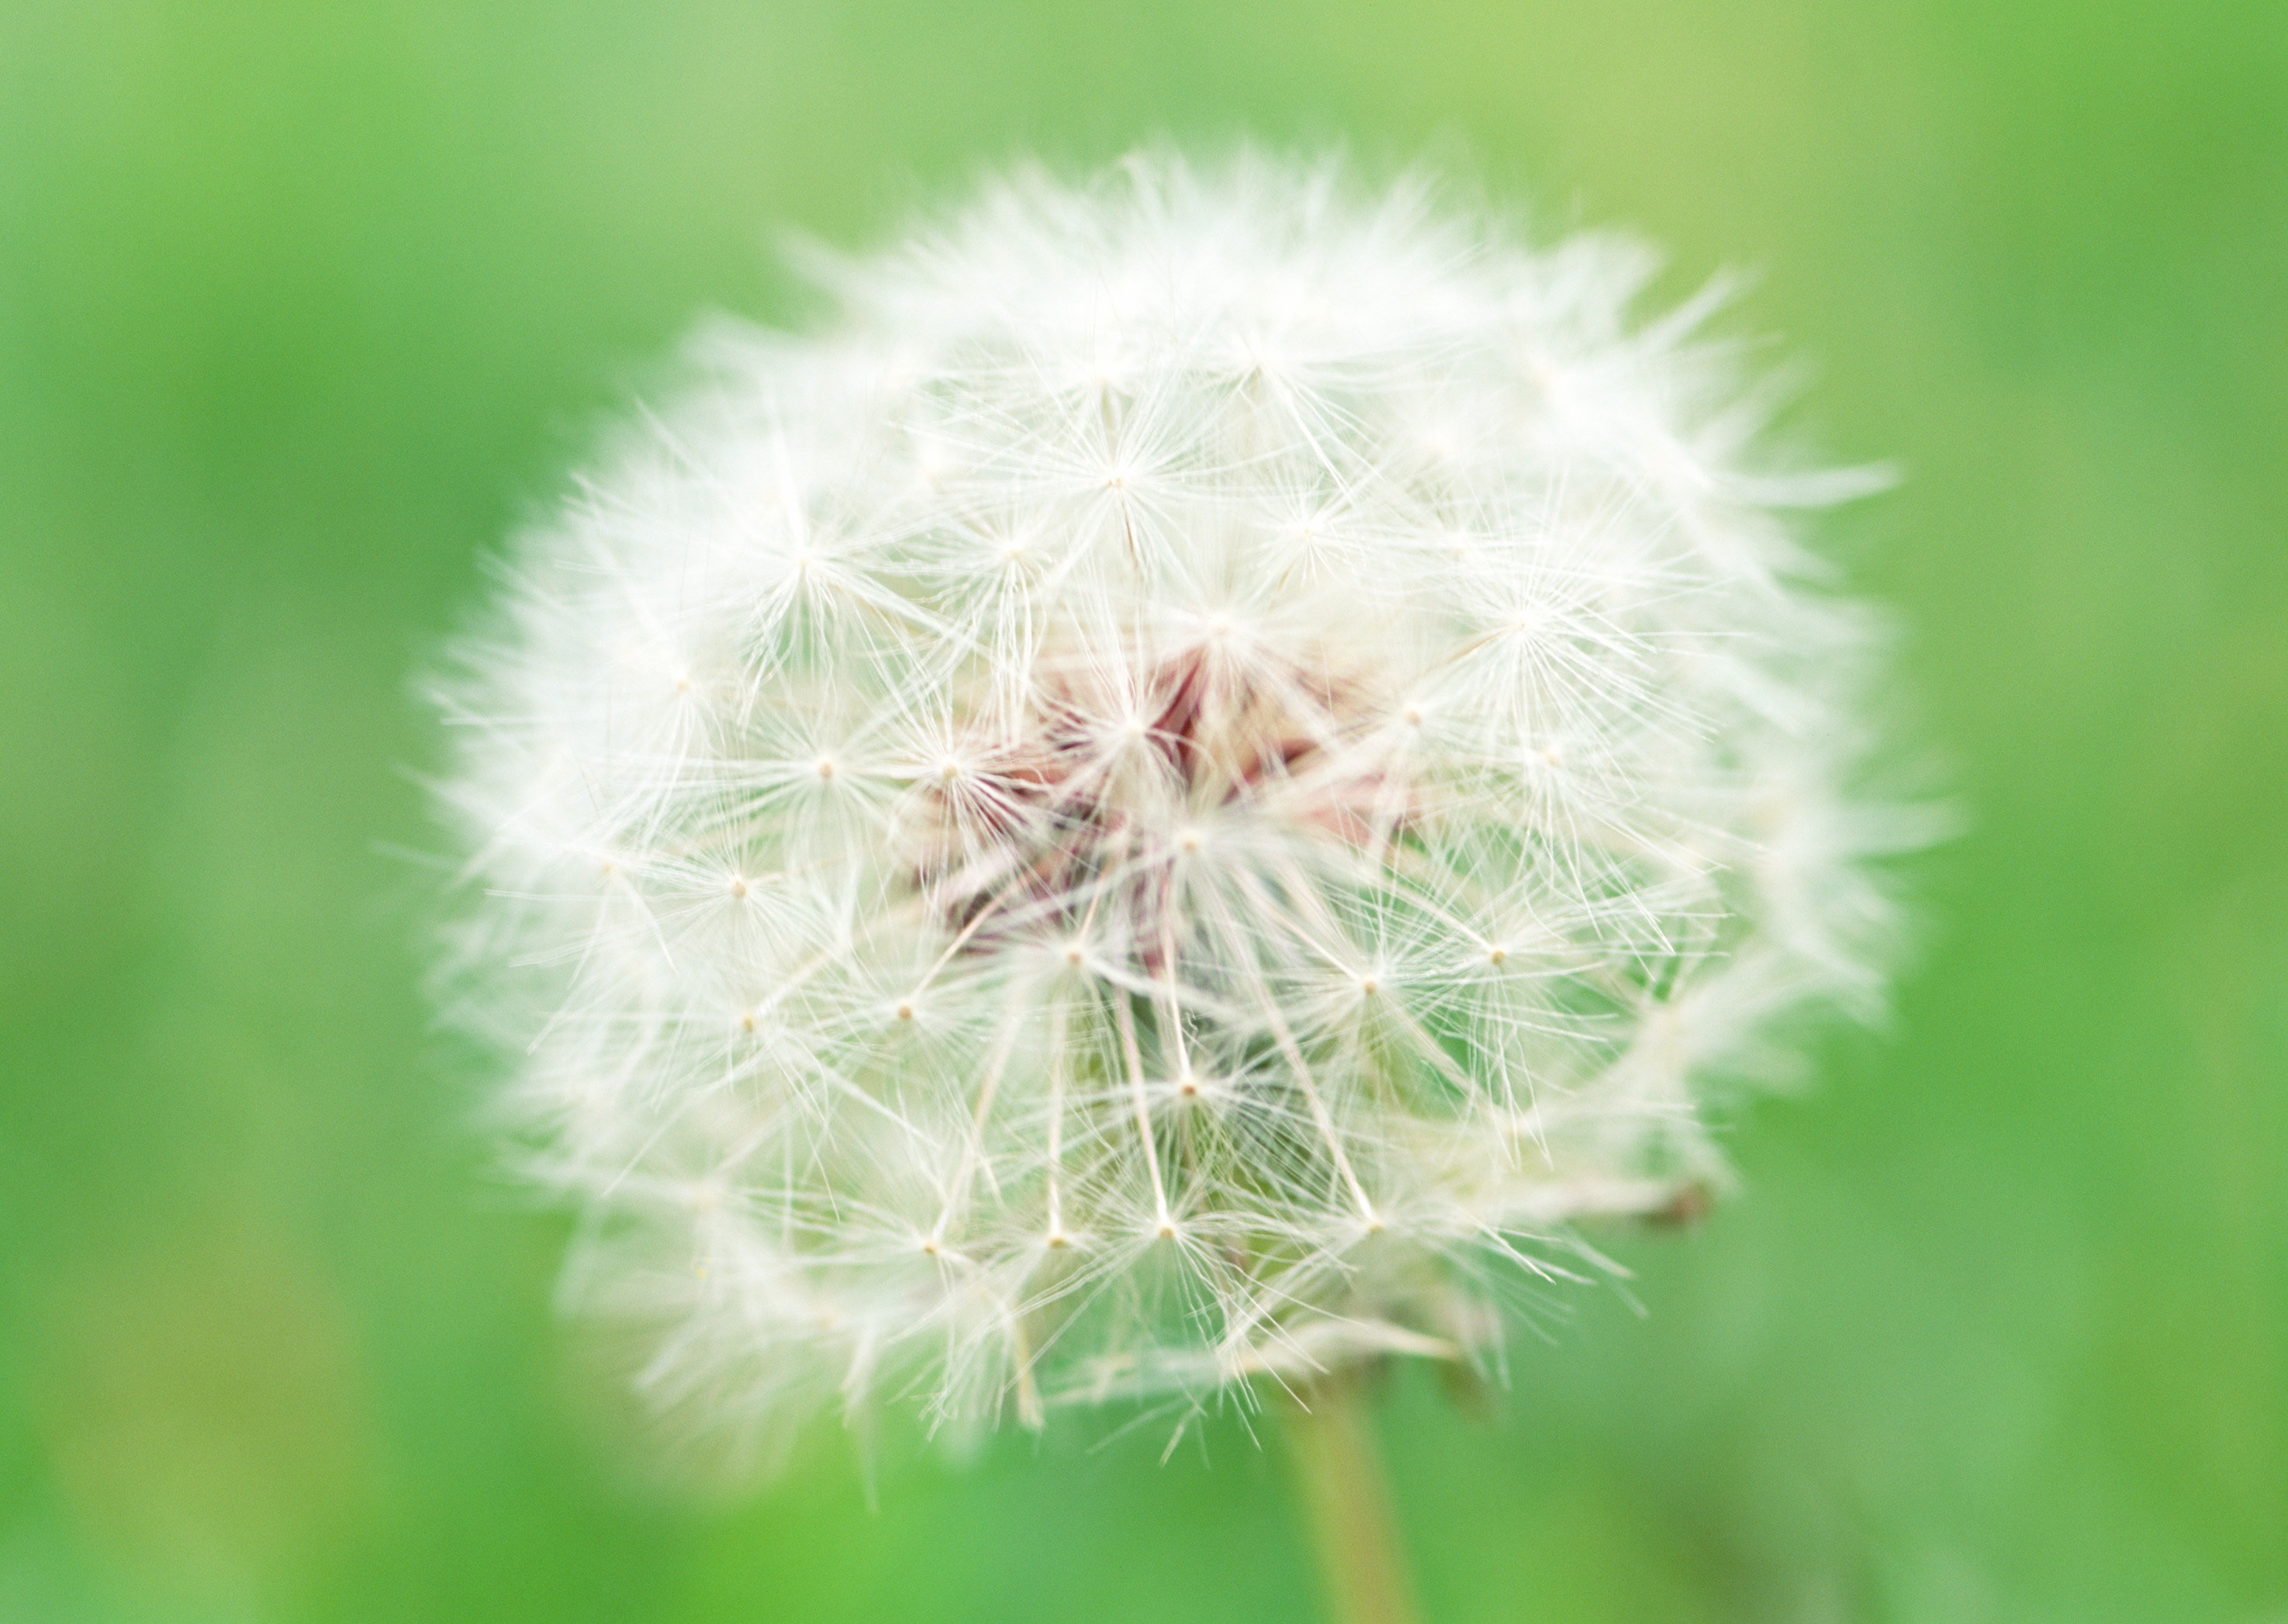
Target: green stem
{"x": 1339, "y": 1468}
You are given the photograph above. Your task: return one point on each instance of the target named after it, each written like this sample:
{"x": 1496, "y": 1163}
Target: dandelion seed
{"x": 1331, "y": 750}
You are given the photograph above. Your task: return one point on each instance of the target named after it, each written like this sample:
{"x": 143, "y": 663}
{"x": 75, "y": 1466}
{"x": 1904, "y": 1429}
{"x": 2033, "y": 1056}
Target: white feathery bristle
{"x": 1175, "y": 793}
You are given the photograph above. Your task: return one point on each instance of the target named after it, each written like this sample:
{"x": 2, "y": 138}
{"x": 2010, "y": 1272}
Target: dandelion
{"x": 1172, "y": 796}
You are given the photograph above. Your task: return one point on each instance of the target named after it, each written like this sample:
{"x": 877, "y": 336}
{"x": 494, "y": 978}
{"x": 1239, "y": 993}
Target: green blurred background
{"x": 301, "y": 306}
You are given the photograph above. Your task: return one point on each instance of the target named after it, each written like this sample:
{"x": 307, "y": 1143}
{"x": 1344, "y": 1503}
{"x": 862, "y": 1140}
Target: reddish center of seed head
{"x": 1076, "y": 819}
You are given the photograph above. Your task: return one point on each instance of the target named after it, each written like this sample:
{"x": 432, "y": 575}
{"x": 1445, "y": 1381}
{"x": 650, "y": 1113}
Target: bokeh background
{"x": 301, "y": 306}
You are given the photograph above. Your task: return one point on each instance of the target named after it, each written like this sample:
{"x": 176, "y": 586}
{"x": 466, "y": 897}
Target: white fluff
{"x": 1173, "y": 794}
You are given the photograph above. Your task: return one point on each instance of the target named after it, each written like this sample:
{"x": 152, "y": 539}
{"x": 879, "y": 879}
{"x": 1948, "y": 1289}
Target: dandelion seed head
{"x": 1173, "y": 794}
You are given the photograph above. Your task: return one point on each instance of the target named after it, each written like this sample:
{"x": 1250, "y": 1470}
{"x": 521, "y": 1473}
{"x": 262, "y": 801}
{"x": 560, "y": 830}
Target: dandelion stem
{"x": 1353, "y": 1526}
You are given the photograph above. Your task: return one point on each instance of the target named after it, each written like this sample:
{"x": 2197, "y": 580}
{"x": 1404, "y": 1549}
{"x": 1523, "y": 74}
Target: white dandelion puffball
{"x": 1176, "y": 791}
